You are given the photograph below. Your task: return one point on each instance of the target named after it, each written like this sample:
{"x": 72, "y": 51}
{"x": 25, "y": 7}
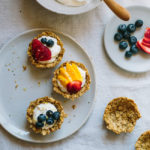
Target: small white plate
{"x": 59, "y": 8}
{"x": 34, "y": 83}
{"x": 139, "y": 62}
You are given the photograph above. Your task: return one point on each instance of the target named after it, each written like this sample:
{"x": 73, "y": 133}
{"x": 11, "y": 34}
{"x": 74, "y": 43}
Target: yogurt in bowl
{"x": 74, "y": 3}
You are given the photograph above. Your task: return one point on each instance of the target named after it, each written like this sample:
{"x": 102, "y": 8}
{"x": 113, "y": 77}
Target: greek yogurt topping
{"x": 73, "y": 2}
{"x": 83, "y": 74}
{"x": 55, "y": 49}
{"x": 42, "y": 109}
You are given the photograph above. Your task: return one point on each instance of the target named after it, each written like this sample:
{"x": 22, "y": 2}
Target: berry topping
{"x": 41, "y": 118}
{"x": 134, "y": 49}
{"x": 122, "y": 28}
{"x": 139, "y": 23}
{"x": 50, "y": 43}
{"x": 49, "y": 113}
{"x": 128, "y": 54}
{"x": 39, "y": 125}
{"x": 74, "y": 86}
{"x": 56, "y": 115}
{"x": 123, "y": 45}
{"x": 132, "y": 40}
{"x": 39, "y": 51}
{"x": 131, "y": 28}
{"x": 118, "y": 36}
{"x": 50, "y": 121}
{"x": 44, "y": 40}
{"x": 126, "y": 35}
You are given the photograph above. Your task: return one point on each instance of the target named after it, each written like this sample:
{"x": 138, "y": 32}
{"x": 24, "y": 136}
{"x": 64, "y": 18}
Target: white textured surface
{"x": 19, "y": 15}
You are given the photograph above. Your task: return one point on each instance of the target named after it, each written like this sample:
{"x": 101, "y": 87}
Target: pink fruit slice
{"x": 39, "y": 51}
{"x": 74, "y": 86}
{"x": 142, "y": 47}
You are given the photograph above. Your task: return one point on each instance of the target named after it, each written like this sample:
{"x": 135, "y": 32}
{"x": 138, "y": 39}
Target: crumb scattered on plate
{"x": 24, "y": 68}
{"x": 74, "y": 106}
{"x": 24, "y": 89}
{"x": 16, "y": 86}
{"x": 39, "y": 83}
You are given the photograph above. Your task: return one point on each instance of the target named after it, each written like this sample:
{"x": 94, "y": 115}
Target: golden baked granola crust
{"x": 121, "y": 114}
{"x": 143, "y": 142}
{"x": 38, "y": 101}
{"x": 49, "y": 65}
{"x": 68, "y": 95}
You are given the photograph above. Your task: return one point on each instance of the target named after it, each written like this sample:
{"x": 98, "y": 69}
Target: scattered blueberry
{"x": 50, "y": 121}
{"x": 118, "y": 37}
{"x": 126, "y": 35}
{"x": 56, "y": 115}
{"x": 41, "y": 118}
{"x": 132, "y": 40}
{"x": 123, "y": 45}
{"x": 134, "y": 49}
{"x": 139, "y": 23}
{"x": 44, "y": 40}
{"x": 131, "y": 28}
{"x": 50, "y": 43}
{"x": 49, "y": 113}
{"x": 128, "y": 54}
{"x": 39, "y": 125}
{"x": 122, "y": 28}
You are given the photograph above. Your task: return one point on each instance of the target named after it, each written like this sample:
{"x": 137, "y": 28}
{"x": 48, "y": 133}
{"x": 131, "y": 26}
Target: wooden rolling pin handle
{"x": 120, "y": 11}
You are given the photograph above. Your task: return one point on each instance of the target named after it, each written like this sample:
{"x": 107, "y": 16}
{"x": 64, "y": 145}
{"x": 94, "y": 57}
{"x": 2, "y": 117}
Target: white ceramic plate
{"x": 138, "y": 63}
{"x": 14, "y": 101}
{"x": 59, "y": 8}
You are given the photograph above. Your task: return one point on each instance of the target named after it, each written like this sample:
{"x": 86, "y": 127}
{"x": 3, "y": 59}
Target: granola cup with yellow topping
{"x": 45, "y": 50}
{"x": 71, "y": 80}
{"x": 45, "y": 115}
{"x": 121, "y": 115}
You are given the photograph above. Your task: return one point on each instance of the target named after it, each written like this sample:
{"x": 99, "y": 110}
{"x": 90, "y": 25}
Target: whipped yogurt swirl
{"x": 73, "y": 2}
{"x": 55, "y": 49}
{"x": 83, "y": 74}
{"x": 42, "y": 109}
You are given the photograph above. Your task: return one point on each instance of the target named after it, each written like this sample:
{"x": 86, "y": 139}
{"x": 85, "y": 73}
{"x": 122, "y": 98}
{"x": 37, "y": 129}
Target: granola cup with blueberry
{"x": 45, "y": 115}
{"x": 46, "y": 50}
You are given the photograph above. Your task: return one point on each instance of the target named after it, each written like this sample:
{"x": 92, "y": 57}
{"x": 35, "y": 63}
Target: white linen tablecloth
{"x": 19, "y": 15}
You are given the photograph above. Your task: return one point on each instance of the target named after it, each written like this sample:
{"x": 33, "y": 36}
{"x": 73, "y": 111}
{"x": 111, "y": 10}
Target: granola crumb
{"x": 8, "y": 69}
{"x": 74, "y": 106}
{"x": 15, "y": 81}
{"x": 16, "y": 86}
{"x": 39, "y": 83}
{"x": 24, "y": 68}
{"x": 24, "y": 89}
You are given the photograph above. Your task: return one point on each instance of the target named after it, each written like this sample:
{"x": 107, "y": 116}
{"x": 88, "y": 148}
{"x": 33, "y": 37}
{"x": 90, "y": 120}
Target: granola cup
{"x": 67, "y": 95}
{"x": 48, "y": 65}
{"x": 44, "y": 100}
{"x": 121, "y": 114}
{"x": 143, "y": 142}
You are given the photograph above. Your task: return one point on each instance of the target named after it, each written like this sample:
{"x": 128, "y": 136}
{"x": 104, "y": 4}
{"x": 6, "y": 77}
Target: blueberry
{"x": 39, "y": 125}
{"x": 49, "y": 113}
{"x": 139, "y": 23}
{"x": 134, "y": 49}
{"x": 123, "y": 45}
{"x": 41, "y": 118}
{"x": 126, "y": 35}
{"x": 118, "y": 37}
{"x": 128, "y": 54}
{"x": 44, "y": 40}
{"x": 122, "y": 28}
{"x": 50, "y": 43}
{"x": 132, "y": 40}
{"x": 131, "y": 28}
{"x": 56, "y": 115}
{"x": 50, "y": 121}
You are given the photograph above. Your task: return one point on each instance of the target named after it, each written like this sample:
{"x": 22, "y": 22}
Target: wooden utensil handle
{"x": 120, "y": 11}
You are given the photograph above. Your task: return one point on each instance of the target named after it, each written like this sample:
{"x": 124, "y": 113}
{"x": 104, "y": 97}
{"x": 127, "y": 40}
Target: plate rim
{"x": 71, "y": 13}
{"x": 3, "y": 125}
{"x": 104, "y": 41}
